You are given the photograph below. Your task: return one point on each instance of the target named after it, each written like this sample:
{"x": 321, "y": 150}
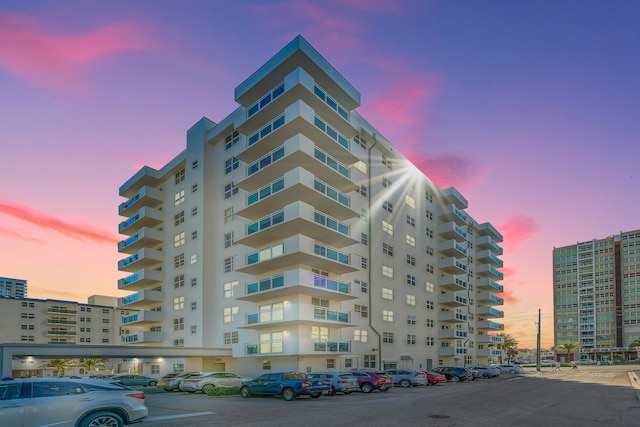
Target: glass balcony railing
{"x": 265, "y": 284}
{"x": 265, "y": 100}
{"x": 266, "y": 130}
{"x": 330, "y": 102}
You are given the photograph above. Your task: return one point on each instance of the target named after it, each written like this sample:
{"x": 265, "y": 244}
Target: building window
{"x": 411, "y": 299}
{"x": 178, "y": 198}
{"x": 411, "y": 221}
{"x": 180, "y": 176}
{"x": 320, "y": 333}
{"x": 387, "y": 271}
{"x": 229, "y": 190}
{"x": 386, "y": 162}
{"x": 360, "y": 335}
{"x": 411, "y": 260}
{"x": 387, "y": 249}
{"x": 411, "y": 339}
{"x": 179, "y": 239}
{"x": 178, "y": 303}
{"x": 387, "y": 315}
{"x": 361, "y": 166}
{"x": 429, "y": 215}
{"x": 229, "y": 314}
{"x": 364, "y": 263}
{"x": 387, "y": 206}
{"x": 331, "y": 363}
{"x": 410, "y": 201}
{"x": 228, "y": 240}
{"x": 230, "y": 165}
{"x": 362, "y": 309}
{"x": 363, "y": 214}
{"x": 231, "y": 337}
{"x": 178, "y": 260}
{"x": 178, "y": 343}
{"x": 231, "y": 140}
{"x": 411, "y": 319}
{"x": 387, "y": 337}
{"x": 194, "y": 211}
{"x": 387, "y": 293}
{"x": 429, "y": 250}
{"x": 363, "y": 286}
{"x": 364, "y": 238}
{"x": 194, "y": 188}
{"x": 155, "y": 369}
{"x": 193, "y": 258}
{"x": 178, "y": 368}
{"x": 411, "y": 279}
{"x": 178, "y": 218}
{"x": 348, "y": 363}
{"x": 362, "y": 190}
{"x": 429, "y": 286}
{"x": 228, "y": 215}
{"x": 228, "y": 265}
{"x": 386, "y": 183}
{"x": 194, "y": 234}
{"x": 411, "y": 241}
{"x": 228, "y": 288}
{"x": 429, "y": 323}
{"x": 266, "y": 365}
{"x": 178, "y": 281}
{"x": 194, "y": 281}
{"x": 387, "y": 228}
{"x": 429, "y": 305}
{"x": 369, "y": 361}
{"x": 429, "y": 233}
{"x": 194, "y": 164}
{"x": 178, "y": 324}
{"x": 194, "y": 305}
{"x": 194, "y": 329}
{"x": 429, "y": 268}
{"x": 429, "y": 341}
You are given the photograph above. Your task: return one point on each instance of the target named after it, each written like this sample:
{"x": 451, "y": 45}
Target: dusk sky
{"x": 531, "y": 109}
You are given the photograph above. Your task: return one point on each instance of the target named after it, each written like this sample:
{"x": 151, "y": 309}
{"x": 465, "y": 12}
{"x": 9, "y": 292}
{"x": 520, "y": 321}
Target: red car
{"x": 373, "y": 380}
{"x": 435, "y": 378}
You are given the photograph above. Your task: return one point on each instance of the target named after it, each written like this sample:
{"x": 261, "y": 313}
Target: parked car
{"x": 512, "y": 369}
{"x": 373, "y": 380}
{"x": 209, "y": 380}
{"x": 487, "y": 371}
{"x": 407, "y": 378}
{"x": 340, "y": 382}
{"x": 435, "y": 378}
{"x": 586, "y": 362}
{"x": 289, "y": 385}
{"x": 65, "y": 402}
{"x": 134, "y": 380}
{"x": 547, "y": 362}
{"x": 170, "y": 382}
{"x": 454, "y": 374}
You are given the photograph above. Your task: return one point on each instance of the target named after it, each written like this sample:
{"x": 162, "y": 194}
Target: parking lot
{"x": 592, "y": 396}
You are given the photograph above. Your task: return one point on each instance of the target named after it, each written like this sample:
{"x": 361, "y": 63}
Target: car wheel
{"x": 316, "y": 395}
{"x": 366, "y": 388}
{"x": 207, "y": 387}
{"x": 455, "y": 379}
{"x": 512, "y": 372}
{"x": 153, "y": 383}
{"x": 405, "y": 383}
{"x": 245, "y": 392}
{"x": 288, "y": 394}
{"x": 104, "y": 418}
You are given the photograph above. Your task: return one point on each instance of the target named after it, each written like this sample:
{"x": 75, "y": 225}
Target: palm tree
{"x": 89, "y": 364}
{"x": 634, "y": 343}
{"x": 60, "y": 365}
{"x": 568, "y": 346}
{"x": 509, "y": 345}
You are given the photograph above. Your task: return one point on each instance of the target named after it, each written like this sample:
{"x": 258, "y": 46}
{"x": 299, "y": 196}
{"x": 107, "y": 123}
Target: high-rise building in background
{"x": 13, "y": 287}
{"x": 596, "y": 295}
{"x": 292, "y": 235}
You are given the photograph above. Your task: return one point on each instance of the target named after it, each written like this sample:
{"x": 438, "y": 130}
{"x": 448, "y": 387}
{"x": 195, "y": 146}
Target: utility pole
{"x": 538, "y": 344}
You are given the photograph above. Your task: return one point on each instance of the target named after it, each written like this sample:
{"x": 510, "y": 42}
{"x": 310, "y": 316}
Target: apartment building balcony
{"x": 486, "y": 242}
{"x": 298, "y": 250}
{"x": 489, "y": 298}
{"x": 297, "y": 218}
{"x": 60, "y": 332}
{"x": 141, "y": 300}
{"x": 452, "y": 334}
{"x": 453, "y": 282}
{"x": 143, "y": 318}
{"x": 488, "y": 325}
{"x": 489, "y": 352}
{"x": 487, "y": 311}
{"x": 298, "y": 184}
{"x": 144, "y": 258}
{"x": 486, "y": 270}
{"x": 488, "y": 257}
{"x": 146, "y": 196}
{"x": 297, "y": 281}
{"x": 486, "y": 284}
{"x": 451, "y": 195}
{"x": 452, "y": 248}
{"x": 452, "y": 317}
{"x": 142, "y": 279}
{"x": 143, "y": 337}
{"x": 61, "y": 311}
{"x": 489, "y": 339}
{"x": 298, "y": 118}
{"x": 452, "y": 300}
{"x": 486, "y": 229}
{"x": 298, "y": 151}
{"x": 452, "y": 265}
{"x": 452, "y": 351}
{"x": 61, "y": 322}
{"x": 145, "y": 217}
{"x": 294, "y": 314}
{"x": 292, "y": 347}
{"x": 450, "y": 213}
{"x": 144, "y": 238}
{"x": 451, "y": 230}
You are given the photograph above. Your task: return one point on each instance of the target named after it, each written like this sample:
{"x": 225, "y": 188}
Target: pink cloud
{"x": 516, "y": 229}
{"x": 509, "y": 297}
{"x": 37, "y": 54}
{"x": 47, "y": 222}
{"x": 13, "y": 234}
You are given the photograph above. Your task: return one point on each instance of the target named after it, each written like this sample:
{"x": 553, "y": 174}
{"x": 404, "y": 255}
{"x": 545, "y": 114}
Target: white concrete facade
{"x": 294, "y": 235}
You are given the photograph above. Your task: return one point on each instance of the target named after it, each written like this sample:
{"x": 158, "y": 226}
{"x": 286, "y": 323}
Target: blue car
{"x": 342, "y": 383}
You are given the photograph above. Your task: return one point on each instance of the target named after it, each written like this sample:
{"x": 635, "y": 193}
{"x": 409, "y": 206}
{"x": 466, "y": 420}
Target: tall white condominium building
{"x": 292, "y": 235}
{"x": 13, "y": 287}
{"x": 596, "y": 295}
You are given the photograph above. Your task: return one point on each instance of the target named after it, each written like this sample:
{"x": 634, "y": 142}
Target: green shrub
{"x": 223, "y": 391}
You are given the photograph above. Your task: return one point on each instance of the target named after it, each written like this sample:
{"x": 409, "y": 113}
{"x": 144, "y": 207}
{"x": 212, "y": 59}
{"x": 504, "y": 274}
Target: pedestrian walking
{"x": 557, "y": 368}
{"x": 574, "y": 365}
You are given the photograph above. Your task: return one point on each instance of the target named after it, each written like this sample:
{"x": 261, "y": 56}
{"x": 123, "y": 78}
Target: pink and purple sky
{"x": 531, "y": 109}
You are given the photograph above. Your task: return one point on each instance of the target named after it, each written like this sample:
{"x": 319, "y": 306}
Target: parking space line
{"x": 173, "y": 417}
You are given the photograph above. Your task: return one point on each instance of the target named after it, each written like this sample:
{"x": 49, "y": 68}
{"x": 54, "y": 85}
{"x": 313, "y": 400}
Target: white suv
{"x": 512, "y": 369}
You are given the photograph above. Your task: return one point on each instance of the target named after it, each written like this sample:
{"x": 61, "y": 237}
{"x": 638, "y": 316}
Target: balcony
{"x": 485, "y": 270}
{"x": 146, "y": 196}
{"x": 144, "y": 238}
{"x": 487, "y": 284}
{"x": 298, "y": 151}
{"x": 62, "y": 311}
{"x": 486, "y": 311}
{"x": 144, "y": 258}
{"x": 489, "y": 339}
{"x": 141, "y": 300}
{"x": 487, "y": 325}
{"x": 452, "y": 334}
{"x": 451, "y": 230}
{"x": 61, "y": 322}
{"x": 143, "y": 337}
{"x": 297, "y": 282}
{"x": 293, "y": 346}
{"x": 294, "y": 251}
{"x": 298, "y": 185}
{"x": 143, "y": 318}
{"x": 488, "y": 257}
{"x": 60, "y": 332}
{"x": 295, "y": 314}
{"x": 486, "y": 242}
{"x": 297, "y": 218}
{"x": 142, "y": 279}
{"x": 452, "y": 300}
{"x": 486, "y": 229}
{"x": 452, "y": 266}
{"x": 451, "y": 213}
{"x": 452, "y": 317}
{"x": 451, "y": 195}
{"x": 489, "y": 352}
{"x": 145, "y": 217}
{"x": 489, "y": 298}
{"x": 451, "y": 351}
{"x": 452, "y": 282}
{"x": 452, "y": 248}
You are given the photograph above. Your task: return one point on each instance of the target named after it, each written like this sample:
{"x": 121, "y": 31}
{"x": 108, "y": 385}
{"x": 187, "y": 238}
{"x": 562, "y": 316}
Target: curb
{"x": 635, "y": 383}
